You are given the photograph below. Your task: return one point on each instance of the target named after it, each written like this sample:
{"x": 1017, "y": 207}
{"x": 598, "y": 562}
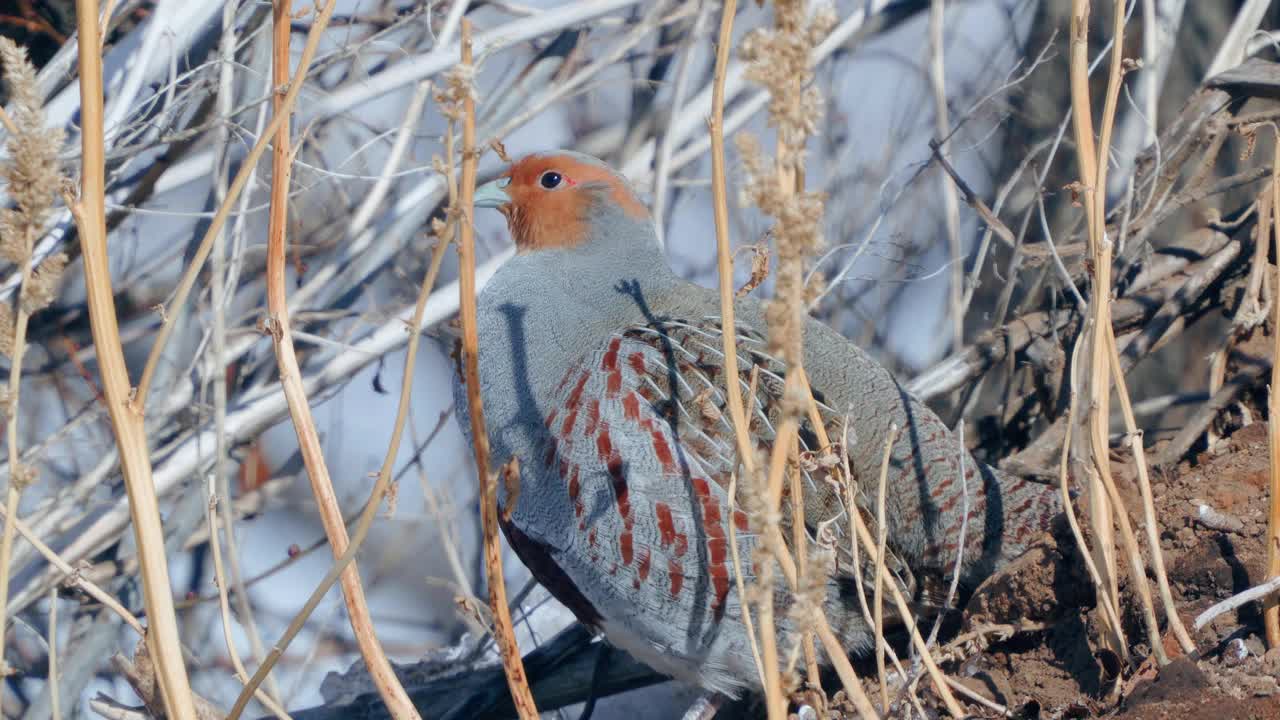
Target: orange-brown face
{"x": 549, "y": 199}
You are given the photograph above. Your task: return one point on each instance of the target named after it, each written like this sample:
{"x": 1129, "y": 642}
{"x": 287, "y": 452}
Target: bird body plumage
{"x": 601, "y": 370}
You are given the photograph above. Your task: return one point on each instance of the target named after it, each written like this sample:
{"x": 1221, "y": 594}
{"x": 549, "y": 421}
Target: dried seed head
{"x": 31, "y": 173}
{"x": 707, "y": 406}
{"x": 40, "y": 292}
{"x": 458, "y": 86}
{"x": 6, "y": 330}
{"x": 23, "y": 475}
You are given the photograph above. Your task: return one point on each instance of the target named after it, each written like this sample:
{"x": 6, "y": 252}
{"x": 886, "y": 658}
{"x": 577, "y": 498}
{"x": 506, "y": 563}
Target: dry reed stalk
{"x": 770, "y": 676}
{"x": 127, "y": 424}
{"x": 224, "y": 607}
{"x": 1100, "y": 512}
{"x": 1271, "y": 603}
{"x": 17, "y": 478}
{"x": 1110, "y": 608}
{"x": 1148, "y": 502}
{"x": 778, "y": 60}
{"x": 367, "y": 514}
{"x": 881, "y": 545}
{"x": 733, "y": 534}
{"x": 247, "y": 169}
{"x": 380, "y": 671}
{"x": 55, "y": 702}
{"x": 33, "y": 181}
{"x": 1092, "y": 159}
{"x": 512, "y": 664}
{"x": 1137, "y": 570}
{"x": 864, "y": 536}
{"x": 1106, "y": 355}
{"x": 74, "y": 576}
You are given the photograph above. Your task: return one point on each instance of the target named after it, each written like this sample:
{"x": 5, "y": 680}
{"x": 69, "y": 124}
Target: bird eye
{"x": 550, "y": 180}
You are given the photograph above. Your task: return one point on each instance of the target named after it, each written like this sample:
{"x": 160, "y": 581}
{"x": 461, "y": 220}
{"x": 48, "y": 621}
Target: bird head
{"x": 560, "y": 200}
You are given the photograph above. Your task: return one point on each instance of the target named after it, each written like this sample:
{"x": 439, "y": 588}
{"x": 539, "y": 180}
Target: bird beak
{"x": 492, "y": 194}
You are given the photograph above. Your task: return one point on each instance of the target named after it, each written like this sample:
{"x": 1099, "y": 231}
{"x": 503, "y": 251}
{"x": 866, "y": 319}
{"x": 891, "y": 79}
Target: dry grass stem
{"x": 1271, "y": 604}
{"x": 33, "y": 181}
{"x": 1148, "y": 502}
{"x": 882, "y": 531}
{"x": 224, "y": 605}
{"x": 380, "y": 671}
{"x": 74, "y": 576}
{"x": 512, "y": 663}
{"x": 1100, "y": 511}
{"x": 1104, "y": 349}
{"x": 778, "y": 60}
{"x": 859, "y": 527}
{"x": 130, "y": 434}
{"x": 55, "y": 700}
{"x": 1108, "y": 602}
{"x": 770, "y": 675}
{"x": 733, "y": 545}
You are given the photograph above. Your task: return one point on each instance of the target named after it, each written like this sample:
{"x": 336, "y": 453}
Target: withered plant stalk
{"x": 1105, "y": 503}
{"x": 127, "y": 424}
{"x": 1100, "y": 511}
{"x": 768, "y": 660}
{"x": 380, "y": 670}
{"x": 224, "y": 605}
{"x": 859, "y": 527}
{"x": 1271, "y": 604}
{"x": 512, "y": 664}
{"x": 33, "y": 181}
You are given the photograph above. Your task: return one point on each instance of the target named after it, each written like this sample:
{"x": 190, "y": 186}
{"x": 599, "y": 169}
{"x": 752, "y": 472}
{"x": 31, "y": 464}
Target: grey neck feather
{"x": 543, "y": 310}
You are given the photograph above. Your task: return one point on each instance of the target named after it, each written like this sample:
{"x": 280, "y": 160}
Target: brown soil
{"x": 1057, "y": 672}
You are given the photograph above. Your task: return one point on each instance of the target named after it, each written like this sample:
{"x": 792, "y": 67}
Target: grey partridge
{"x": 602, "y": 372}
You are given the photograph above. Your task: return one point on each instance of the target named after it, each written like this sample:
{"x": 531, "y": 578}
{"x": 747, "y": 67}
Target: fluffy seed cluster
{"x": 459, "y": 84}
{"x": 32, "y": 181}
{"x": 778, "y": 59}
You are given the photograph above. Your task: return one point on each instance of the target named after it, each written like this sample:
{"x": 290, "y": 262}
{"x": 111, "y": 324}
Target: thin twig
{"x": 75, "y": 577}
{"x": 1258, "y": 592}
{"x": 224, "y": 604}
{"x": 950, "y": 204}
{"x": 247, "y": 168}
{"x": 512, "y": 664}
{"x": 218, "y": 285}
{"x": 55, "y": 700}
{"x": 882, "y": 531}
